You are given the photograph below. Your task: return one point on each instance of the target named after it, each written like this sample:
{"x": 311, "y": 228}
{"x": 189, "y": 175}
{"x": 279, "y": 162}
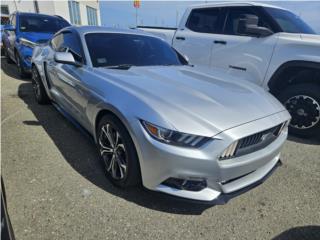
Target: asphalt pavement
{"x": 56, "y": 188}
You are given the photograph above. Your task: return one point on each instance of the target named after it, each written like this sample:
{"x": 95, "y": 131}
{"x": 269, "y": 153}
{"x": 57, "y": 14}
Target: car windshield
{"x": 289, "y": 22}
{"x": 114, "y": 49}
{"x": 45, "y": 24}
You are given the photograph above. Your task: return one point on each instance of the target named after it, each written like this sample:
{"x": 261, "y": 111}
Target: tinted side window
{"x": 68, "y": 41}
{"x": 288, "y": 21}
{"x": 235, "y": 14}
{"x": 204, "y": 20}
{"x": 110, "y": 49}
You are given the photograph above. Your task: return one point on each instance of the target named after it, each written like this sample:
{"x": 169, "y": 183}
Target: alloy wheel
{"x": 113, "y": 152}
{"x": 18, "y": 63}
{"x": 35, "y": 83}
{"x": 305, "y": 111}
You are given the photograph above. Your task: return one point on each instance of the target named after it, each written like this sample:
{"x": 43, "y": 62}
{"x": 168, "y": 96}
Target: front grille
{"x": 258, "y": 137}
{"x": 252, "y": 143}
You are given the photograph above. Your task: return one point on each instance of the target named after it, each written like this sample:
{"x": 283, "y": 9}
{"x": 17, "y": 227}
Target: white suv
{"x": 267, "y": 45}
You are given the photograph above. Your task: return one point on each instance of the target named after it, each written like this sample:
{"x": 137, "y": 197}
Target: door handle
{"x": 220, "y": 42}
{"x": 238, "y": 68}
{"x": 180, "y": 38}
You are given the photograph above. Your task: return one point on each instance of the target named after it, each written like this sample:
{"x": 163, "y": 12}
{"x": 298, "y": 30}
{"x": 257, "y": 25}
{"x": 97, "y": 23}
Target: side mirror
{"x": 9, "y": 28}
{"x": 66, "y": 58}
{"x": 248, "y": 25}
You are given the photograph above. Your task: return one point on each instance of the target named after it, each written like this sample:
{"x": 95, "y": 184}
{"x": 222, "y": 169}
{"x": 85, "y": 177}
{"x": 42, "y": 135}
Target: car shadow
{"x": 311, "y": 141}
{"x": 300, "y": 233}
{"x": 11, "y": 70}
{"x": 79, "y": 151}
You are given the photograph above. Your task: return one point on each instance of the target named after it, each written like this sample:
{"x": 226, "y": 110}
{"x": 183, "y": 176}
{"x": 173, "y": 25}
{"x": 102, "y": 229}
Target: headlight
{"x": 284, "y": 128}
{"x": 173, "y": 137}
{"x": 27, "y": 43}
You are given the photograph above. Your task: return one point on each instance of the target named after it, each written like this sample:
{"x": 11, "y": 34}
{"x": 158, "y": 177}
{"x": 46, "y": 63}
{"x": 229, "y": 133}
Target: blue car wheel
{"x": 9, "y": 60}
{"x": 22, "y": 71}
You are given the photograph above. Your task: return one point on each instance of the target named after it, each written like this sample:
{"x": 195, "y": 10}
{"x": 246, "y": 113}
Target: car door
{"x": 67, "y": 79}
{"x": 195, "y": 40}
{"x": 243, "y": 55}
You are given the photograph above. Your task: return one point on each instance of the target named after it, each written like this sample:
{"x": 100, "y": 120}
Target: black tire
{"x": 38, "y": 88}
{"x": 303, "y": 103}
{"x": 131, "y": 176}
{"x": 9, "y": 60}
{"x": 22, "y": 71}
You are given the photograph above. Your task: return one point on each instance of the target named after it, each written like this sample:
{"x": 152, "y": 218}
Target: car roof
{"x": 99, "y": 29}
{"x": 236, "y": 4}
{"x": 37, "y": 14}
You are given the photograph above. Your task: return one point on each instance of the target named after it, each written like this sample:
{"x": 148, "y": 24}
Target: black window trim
{"x": 219, "y": 24}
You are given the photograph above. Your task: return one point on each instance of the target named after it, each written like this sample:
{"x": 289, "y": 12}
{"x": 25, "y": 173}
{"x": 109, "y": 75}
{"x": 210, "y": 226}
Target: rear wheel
{"x": 22, "y": 71}
{"x": 303, "y": 103}
{"x": 117, "y": 152}
{"x": 38, "y": 88}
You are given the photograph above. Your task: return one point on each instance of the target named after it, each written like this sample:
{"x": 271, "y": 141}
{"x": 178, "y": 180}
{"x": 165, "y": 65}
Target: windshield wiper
{"x": 120, "y": 66}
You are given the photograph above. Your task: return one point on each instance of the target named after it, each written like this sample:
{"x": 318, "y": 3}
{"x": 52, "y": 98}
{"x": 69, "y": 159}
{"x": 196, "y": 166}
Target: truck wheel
{"x": 303, "y": 103}
{"x": 22, "y": 71}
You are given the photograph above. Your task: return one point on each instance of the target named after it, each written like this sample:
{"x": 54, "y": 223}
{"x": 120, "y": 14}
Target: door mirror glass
{"x": 66, "y": 58}
{"x": 248, "y": 25}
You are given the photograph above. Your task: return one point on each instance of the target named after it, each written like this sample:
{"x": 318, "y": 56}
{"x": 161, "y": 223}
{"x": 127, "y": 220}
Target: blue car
{"x": 24, "y": 32}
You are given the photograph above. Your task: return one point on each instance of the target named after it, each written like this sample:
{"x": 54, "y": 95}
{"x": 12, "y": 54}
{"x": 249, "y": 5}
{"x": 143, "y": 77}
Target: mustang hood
{"x": 188, "y": 96}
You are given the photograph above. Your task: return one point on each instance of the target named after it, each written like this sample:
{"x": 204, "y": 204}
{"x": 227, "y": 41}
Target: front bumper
{"x": 159, "y": 161}
{"x": 224, "y": 198}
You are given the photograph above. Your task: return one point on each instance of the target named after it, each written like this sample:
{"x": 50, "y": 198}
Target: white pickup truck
{"x": 267, "y": 45}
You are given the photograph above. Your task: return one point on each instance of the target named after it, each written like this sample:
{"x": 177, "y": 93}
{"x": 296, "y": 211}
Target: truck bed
{"x": 166, "y": 33}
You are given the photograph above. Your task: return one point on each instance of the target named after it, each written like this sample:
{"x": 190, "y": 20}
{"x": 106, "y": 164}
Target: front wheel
{"x": 38, "y": 88}
{"x": 22, "y": 71}
{"x": 117, "y": 152}
{"x": 6, "y": 54}
{"x": 303, "y": 103}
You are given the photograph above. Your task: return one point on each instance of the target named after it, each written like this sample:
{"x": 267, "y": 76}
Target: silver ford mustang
{"x": 179, "y": 129}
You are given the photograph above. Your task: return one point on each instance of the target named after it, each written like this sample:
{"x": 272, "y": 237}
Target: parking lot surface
{"x": 56, "y": 188}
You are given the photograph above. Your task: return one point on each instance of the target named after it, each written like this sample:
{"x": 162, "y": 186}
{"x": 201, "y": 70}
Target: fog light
{"x": 186, "y": 184}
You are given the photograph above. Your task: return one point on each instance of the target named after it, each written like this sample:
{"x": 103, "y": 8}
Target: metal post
{"x": 15, "y": 4}
{"x": 136, "y": 17}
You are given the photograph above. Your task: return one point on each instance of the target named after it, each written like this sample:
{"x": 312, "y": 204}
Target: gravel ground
{"x": 56, "y": 188}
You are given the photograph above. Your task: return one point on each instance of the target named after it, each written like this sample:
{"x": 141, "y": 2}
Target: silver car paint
{"x": 193, "y": 100}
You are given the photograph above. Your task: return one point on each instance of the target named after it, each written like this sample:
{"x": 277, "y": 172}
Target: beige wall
{"x": 83, "y": 10}
{"x": 22, "y": 6}
{"x": 54, "y": 8}
{"x": 62, "y": 9}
